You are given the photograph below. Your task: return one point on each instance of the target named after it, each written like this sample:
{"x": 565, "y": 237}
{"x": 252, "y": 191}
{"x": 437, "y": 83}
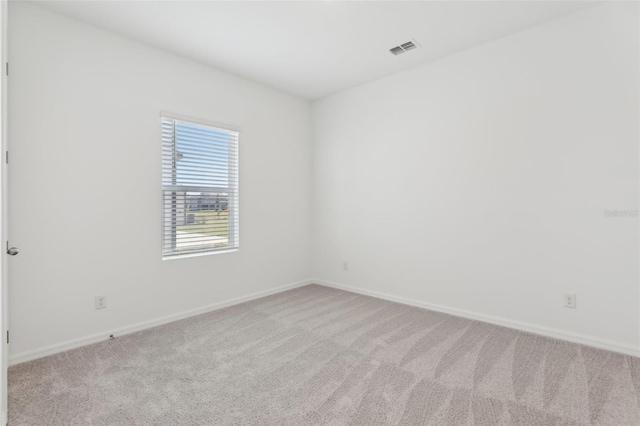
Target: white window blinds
{"x": 199, "y": 188}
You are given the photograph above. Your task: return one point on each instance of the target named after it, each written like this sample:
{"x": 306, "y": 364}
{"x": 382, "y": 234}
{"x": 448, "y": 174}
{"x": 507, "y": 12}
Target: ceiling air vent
{"x": 404, "y": 47}
{"x": 396, "y": 50}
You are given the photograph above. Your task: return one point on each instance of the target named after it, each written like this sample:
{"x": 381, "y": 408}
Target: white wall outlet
{"x": 570, "y": 300}
{"x": 345, "y": 265}
{"x": 101, "y": 301}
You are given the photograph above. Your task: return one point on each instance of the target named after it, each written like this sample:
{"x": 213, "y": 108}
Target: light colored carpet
{"x": 316, "y": 355}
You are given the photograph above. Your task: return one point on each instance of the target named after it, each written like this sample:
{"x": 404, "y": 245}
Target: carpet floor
{"x": 320, "y": 356}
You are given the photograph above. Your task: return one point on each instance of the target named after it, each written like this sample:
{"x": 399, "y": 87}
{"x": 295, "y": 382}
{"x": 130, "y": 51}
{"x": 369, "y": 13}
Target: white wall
{"x": 478, "y": 183}
{"x": 85, "y": 176}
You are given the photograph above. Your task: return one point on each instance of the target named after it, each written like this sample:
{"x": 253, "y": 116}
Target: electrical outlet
{"x": 345, "y": 265}
{"x": 570, "y": 300}
{"x": 101, "y": 301}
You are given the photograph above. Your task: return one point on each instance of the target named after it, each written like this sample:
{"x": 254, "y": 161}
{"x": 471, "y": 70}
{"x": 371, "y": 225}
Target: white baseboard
{"x": 98, "y": 337}
{"x": 583, "y": 339}
{"x": 531, "y": 328}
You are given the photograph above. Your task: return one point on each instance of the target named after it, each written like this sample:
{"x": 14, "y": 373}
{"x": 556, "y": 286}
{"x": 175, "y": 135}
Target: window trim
{"x": 233, "y": 225}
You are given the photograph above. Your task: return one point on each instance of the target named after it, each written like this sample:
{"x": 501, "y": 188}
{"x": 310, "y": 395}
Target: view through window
{"x": 199, "y": 188}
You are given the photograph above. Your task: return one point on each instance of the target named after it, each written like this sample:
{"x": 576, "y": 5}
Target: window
{"x": 199, "y": 188}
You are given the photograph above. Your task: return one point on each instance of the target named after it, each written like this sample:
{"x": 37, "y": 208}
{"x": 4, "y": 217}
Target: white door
{"x": 4, "y": 352}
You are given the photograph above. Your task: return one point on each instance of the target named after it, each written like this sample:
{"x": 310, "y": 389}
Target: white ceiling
{"x": 312, "y": 48}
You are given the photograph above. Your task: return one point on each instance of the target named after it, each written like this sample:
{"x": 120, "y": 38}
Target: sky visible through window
{"x": 202, "y": 156}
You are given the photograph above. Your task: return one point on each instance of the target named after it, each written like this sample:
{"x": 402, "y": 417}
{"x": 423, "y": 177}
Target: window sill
{"x": 207, "y": 253}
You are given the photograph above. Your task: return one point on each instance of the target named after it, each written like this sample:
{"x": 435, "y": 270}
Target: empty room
{"x": 299, "y": 213}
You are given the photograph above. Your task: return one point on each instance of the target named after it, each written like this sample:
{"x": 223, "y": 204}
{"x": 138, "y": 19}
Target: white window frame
{"x": 232, "y": 190}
